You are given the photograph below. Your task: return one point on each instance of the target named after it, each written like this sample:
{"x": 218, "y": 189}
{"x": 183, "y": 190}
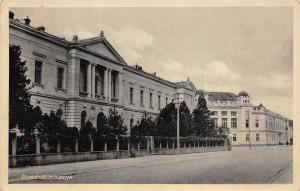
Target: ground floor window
{"x": 257, "y": 136}
{"x": 247, "y": 137}
{"x": 234, "y": 137}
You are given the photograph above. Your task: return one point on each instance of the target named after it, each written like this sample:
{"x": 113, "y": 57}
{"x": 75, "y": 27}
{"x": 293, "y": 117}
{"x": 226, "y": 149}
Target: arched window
{"x": 101, "y": 123}
{"x": 83, "y": 118}
{"x": 59, "y": 113}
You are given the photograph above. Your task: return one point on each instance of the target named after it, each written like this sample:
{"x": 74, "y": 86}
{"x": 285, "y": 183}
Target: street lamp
{"x": 177, "y": 102}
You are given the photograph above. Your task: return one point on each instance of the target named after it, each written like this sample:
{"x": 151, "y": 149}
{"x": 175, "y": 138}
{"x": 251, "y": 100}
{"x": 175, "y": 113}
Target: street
{"x": 271, "y": 164}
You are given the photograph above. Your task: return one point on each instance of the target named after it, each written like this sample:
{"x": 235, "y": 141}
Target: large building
{"x": 84, "y": 78}
{"x": 248, "y": 124}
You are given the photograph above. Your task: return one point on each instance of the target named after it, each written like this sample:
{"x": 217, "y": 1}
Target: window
{"x": 233, "y": 113}
{"x": 60, "y": 77}
{"x": 224, "y": 122}
{"x": 257, "y": 122}
{"x": 224, "y": 113}
{"x": 247, "y": 137}
{"x": 233, "y": 122}
{"x": 159, "y": 101}
{"x": 131, "y": 95}
{"x": 142, "y": 98}
{"x": 215, "y": 122}
{"x": 113, "y": 85}
{"x": 234, "y": 137}
{"x": 83, "y": 76}
{"x": 247, "y": 114}
{"x": 247, "y": 123}
{"x": 257, "y": 136}
{"x": 214, "y": 113}
{"x": 38, "y": 72}
{"x": 151, "y": 103}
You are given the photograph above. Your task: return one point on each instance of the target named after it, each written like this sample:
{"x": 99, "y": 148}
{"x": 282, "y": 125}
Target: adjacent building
{"x": 85, "y": 78}
{"x": 248, "y": 124}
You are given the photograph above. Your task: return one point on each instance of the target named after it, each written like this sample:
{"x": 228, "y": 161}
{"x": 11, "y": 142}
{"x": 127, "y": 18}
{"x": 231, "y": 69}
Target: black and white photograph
{"x": 150, "y": 95}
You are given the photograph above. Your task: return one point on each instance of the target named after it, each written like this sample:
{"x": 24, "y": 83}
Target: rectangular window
{"x": 113, "y": 85}
{"x": 234, "y": 137}
{"x": 215, "y": 122}
{"x": 131, "y": 95}
{"x": 224, "y": 113}
{"x": 142, "y": 98}
{"x": 233, "y": 122}
{"x": 257, "y": 122}
{"x": 247, "y": 137}
{"x": 257, "y": 136}
{"x": 159, "y": 101}
{"x": 224, "y": 122}
{"x": 247, "y": 123}
{"x": 233, "y": 113}
{"x": 38, "y": 72}
{"x": 60, "y": 77}
{"x": 83, "y": 76}
{"x": 151, "y": 102}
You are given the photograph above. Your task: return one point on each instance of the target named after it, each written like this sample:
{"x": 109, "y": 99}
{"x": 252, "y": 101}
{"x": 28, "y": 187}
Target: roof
{"x": 243, "y": 93}
{"x": 221, "y": 96}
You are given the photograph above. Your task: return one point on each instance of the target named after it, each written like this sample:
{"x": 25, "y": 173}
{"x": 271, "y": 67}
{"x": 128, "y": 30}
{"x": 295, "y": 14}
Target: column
{"x": 89, "y": 79}
{"x": 76, "y": 145}
{"x": 13, "y": 143}
{"x": 93, "y": 81}
{"x": 120, "y": 88}
{"x": 109, "y": 85}
{"x": 105, "y": 83}
{"x": 37, "y": 142}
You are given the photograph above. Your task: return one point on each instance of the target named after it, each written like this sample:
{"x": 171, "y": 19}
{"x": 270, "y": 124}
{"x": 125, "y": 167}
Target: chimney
{"x": 27, "y": 21}
{"x": 11, "y": 15}
{"x": 75, "y": 38}
{"x": 41, "y": 28}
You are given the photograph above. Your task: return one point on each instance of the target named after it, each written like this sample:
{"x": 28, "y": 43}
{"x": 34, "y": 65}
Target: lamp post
{"x": 177, "y": 102}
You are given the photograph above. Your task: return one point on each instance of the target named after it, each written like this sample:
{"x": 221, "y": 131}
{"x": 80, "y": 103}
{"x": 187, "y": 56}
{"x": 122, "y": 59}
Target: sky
{"x": 219, "y": 49}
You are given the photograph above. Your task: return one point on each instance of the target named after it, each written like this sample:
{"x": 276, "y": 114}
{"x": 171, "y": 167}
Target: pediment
{"x": 103, "y": 47}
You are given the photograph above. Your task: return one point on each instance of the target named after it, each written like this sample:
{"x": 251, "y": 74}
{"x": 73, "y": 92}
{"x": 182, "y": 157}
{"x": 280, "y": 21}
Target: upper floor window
{"x": 60, "y": 77}
{"x": 233, "y": 113}
{"x": 158, "y": 101}
{"x": 142, "y": 98}
{"x": 83, "y": 76}
{"x": 131, "y": 95}
{"x": 234, "y": 122}
{"x": 247, "y": 123}
{"x": 224, "y": 113}
{"x": 38, "y": 72}
{"x": 224, "y": 122}
{"x": 257, "y": 122}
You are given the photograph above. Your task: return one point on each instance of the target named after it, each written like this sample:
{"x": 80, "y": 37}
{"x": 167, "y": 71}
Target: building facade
{"x": 84, "y": 78}
{"x": 248, "y": 124}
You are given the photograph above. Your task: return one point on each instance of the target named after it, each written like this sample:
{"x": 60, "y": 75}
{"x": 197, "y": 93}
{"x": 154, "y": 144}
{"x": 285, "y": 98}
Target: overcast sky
{"x": 219, "y": 49}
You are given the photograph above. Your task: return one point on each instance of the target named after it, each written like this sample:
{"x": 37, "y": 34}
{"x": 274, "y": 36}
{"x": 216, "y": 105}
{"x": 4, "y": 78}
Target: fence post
{"x": 152, "y": 143}
{"x": 128, "y": 145}
{"x": 194, "y": 144}
{"x": 76, "y": 145}
{"x": 139, "y": 146}
{"x": 105, "y": 146}
{"x": 58, "y": 146}
{"x": 159, "y": 145}
{"x": 198, "y": 145}
{"x": 37, "y": 142}
{"x": 148, "y": 145}
{"x": 173, "y": 145}
{"x": 167, "y": 145}
{"x": 118, "y": 144}
{"x": 183, "y": 144}
{"x": 92, "y": 143}
{"x": 14, "y": 142}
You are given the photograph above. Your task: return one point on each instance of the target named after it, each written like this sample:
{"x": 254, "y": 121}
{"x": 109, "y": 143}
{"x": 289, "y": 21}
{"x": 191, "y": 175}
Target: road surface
{"x": 258, "y": 165}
